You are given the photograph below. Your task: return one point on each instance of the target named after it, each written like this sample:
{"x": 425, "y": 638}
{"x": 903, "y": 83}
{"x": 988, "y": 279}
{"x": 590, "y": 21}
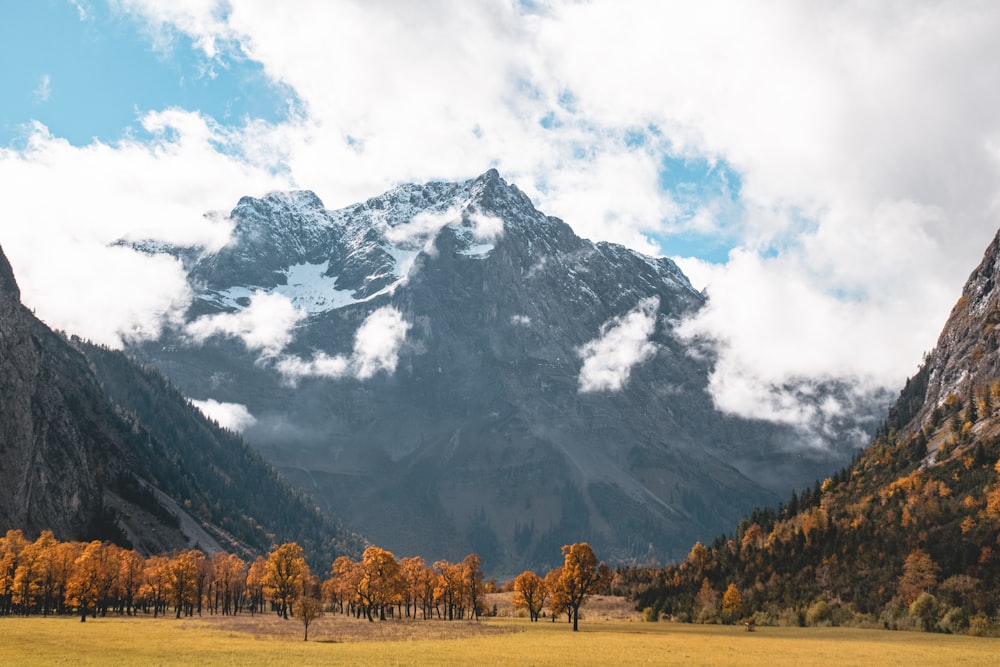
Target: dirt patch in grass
{"x": 335, "y": 627}
{"x": 597, "y": 607}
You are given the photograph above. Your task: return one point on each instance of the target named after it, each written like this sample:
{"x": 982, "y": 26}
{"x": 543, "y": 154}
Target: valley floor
{"x": 336, "y": 640}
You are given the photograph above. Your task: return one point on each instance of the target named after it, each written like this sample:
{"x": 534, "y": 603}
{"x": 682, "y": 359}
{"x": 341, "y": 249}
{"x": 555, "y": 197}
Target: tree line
{"x": 47, "y": 576}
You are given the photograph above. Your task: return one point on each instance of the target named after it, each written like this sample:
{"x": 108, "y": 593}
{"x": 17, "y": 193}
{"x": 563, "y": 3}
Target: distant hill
{"x": 908, "y": 536}
{"x": 94, "y": 447}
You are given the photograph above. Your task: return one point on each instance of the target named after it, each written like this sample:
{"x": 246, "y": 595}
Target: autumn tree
{"x": 310, "y": 608}
{"x": 732, "y": 604}
{"x": 472, "y": 583}
{"x": 255, "y": 582}
{"x": 381, "y": 581}
{"x": 448, "y": 589}
{"x": 530, "y": 592}
{"x": 342, "y": 587}
{"x": 286, "y": 572}
{"x": 130, "y": 578}
{"x": 706, "y": 602}
{"x": 93, "y": 574}
{"x": 919, "y": 575}
{"x": 154, "y": 583}
{"x": 32, "y": 574}
{"x": 558, "y": 600}
{"x": 582, "y": 576}
{"x": 182, "y": 572}
{"x": 11, "y": 546}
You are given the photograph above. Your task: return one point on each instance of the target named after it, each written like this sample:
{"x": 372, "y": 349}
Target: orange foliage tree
{"x": 530, "y": 592}
{"x": 286, "y": 575}
{"x": 582, "y": 576}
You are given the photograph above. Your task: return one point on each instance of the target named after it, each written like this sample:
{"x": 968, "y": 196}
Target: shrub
{"x": 818, "y": 613}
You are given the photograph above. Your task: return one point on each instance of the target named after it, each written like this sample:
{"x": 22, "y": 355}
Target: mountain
{"x": 907, "y": 536}
{"x": 451, "y": 370}
{"x": 94, "y": 447}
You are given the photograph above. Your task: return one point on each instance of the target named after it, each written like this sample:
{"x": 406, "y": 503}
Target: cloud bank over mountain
{"x": 827, "y": 171}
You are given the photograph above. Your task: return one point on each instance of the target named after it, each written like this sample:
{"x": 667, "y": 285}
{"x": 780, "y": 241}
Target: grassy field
{"x": 335, "y": 640}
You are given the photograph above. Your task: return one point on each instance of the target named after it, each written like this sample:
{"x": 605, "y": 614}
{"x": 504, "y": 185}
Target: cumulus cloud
{"x": 624, "y": 343}
{"x": 421, "y": 230}
{"x": 234, "y": 416}
{"x": 520, "y": 320}
{"x": 376, "y": 349}
{"x": 485, "y": 227}
{"x": 67, "y": 205}
{"x": 863, "y": 137}
{"x": 265, "y": 325}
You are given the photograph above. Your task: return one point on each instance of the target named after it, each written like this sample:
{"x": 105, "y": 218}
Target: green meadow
{"x": 336, "y": 640}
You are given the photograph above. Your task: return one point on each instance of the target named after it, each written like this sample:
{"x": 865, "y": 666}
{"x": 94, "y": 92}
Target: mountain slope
{"x": 94, "y": 447}
{"x": 460, "y": 372}
{"x": 905, "y": 537}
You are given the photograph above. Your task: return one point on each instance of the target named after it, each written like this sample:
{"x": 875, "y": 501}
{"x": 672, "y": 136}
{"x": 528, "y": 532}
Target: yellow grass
{"x": 335, "y": 640}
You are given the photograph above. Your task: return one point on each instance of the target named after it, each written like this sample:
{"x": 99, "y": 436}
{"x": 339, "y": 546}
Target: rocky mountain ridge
{"x": 461, "y": 372}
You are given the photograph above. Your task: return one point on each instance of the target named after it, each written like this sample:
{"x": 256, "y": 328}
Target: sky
{"x": 829, "y": 172}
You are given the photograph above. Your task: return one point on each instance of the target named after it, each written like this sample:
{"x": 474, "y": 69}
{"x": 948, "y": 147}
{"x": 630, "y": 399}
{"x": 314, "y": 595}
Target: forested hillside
{"x": 907, "y": 536}
{"x": 217, "y": 477}
{"x": 94, "y": 447}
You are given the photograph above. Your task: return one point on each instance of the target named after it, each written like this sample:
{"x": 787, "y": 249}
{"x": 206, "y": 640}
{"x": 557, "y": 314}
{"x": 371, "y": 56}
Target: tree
{"x": 381, "y": 581}
{"x": 582, "y": 576}
{"x": 91, "y": 576}
{"x": 472, "y": 579}
{"x": 706, "y": 602}
{"x": 130, "y": 578}
{"x": 182, "y": 573}
{"x": 310, "y": 609}
{"x": 919, "y": 576}
{"x": 558, "y": 599}
{"x": 530, "y": 592}
{"x": 11, "y": 546}
{"x": 286, "y": 572}
{"x": 256, "y": 577}
{"x": 732, "y": 604}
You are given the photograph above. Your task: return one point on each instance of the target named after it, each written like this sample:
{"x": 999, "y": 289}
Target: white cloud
{"x": 487, "y": 228}
{"x": 234, "y": 416}
{"x": 43, "y": 92}
{"x": 864, "y": 137}
{"x": 264, "y": 326}
{"x": 376, "y": 349}
{"x": 520, "y": 320}
{"x": 65, "y": 205}
{"x": 377, "y": 342}
{"x": 422, "y": 229}
{"x": 624, "y": 343}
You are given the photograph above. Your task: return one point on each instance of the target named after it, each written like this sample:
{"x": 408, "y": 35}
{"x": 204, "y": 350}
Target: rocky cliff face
{"x": 464, "y": 373}
{"x": 48, "y": 462}
{"x": 966, "y": 359}
{"x": 93, "y": 447}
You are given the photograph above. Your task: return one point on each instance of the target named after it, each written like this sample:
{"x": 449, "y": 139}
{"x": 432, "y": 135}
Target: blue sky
{"x": 827, "y": 170}
{"x": 91, "y": 73}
